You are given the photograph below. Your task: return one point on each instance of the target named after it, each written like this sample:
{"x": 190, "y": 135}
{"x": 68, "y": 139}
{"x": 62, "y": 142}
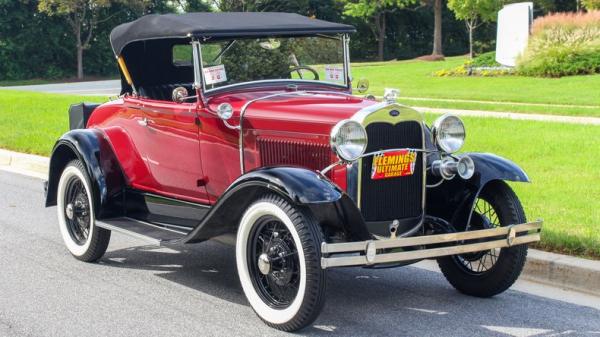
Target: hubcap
{"x": 264, "y": 265}
{"x": 69, "y": 211}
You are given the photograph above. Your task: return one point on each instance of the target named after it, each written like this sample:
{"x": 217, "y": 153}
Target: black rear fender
{"x": 454, "y": 200}
{"x": 92, "y": 148}
{"x": 311, "y": 191}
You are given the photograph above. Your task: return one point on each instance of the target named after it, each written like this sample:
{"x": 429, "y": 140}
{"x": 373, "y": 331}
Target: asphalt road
{"x": 138, "y": 290}
{"x": 91, "y": 88}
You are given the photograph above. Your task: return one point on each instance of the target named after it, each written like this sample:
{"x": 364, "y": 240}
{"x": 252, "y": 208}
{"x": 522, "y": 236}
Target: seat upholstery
{"x": 162, "y": 92}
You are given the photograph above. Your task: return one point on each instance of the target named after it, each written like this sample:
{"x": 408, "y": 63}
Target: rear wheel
{"x": 278, "y": 261}
{"x": 75, "y": 206}
{"x": 488, "y": 273}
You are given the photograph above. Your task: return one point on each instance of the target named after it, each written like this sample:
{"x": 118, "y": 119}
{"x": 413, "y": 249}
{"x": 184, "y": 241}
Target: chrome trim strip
{"x": 508, "y": 234}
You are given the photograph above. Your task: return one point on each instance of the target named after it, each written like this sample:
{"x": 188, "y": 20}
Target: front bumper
{"x": 372, "y": 252}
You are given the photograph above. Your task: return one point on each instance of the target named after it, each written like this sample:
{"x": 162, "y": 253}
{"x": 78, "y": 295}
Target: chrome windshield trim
{"x": 274, "y": 81}
{"x": 345, "y": 57}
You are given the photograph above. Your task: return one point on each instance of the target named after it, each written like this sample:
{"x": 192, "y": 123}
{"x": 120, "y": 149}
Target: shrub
{"x": 483, "y": 65}
{"x": 485, "y": 60}
{"x": 563, "y": 44}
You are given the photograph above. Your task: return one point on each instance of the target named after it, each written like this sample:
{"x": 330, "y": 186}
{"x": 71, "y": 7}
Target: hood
{"x": 305, "y": 112}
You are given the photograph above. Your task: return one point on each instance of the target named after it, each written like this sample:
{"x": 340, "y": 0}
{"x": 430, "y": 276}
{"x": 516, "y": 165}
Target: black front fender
{"x": 454, "y": 200}
{"x": 92, "y": 148}
{"x": 330, "y": 206}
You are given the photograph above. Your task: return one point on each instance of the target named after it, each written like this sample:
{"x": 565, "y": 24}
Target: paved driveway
{"x": 138, "y": 290}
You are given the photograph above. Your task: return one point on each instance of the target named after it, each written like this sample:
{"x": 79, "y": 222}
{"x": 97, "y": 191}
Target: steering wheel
{"x": 299, "y": 68}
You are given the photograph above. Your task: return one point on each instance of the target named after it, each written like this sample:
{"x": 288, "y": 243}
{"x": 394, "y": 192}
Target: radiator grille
{"x": 394, "y": 198}
{"x": 275, "y": 152}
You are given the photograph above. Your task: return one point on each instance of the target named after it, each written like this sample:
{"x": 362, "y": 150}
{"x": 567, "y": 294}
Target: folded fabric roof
{"x": 220, "y": 26}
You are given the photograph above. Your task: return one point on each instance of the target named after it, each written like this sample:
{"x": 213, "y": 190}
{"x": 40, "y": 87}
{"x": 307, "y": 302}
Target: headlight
{"x": 348, "y": 140}
{"x": 448, "y": 133}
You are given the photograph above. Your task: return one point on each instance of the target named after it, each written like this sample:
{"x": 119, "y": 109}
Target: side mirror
{"x": 179, "y": 94}
{"x": 363, "y": 85}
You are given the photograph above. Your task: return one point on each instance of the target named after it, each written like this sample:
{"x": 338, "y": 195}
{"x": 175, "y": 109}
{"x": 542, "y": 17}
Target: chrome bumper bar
{"x": 370, "y": 250}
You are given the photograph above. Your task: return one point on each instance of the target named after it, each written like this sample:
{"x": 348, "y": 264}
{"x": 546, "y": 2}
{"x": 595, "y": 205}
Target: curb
{"x": 563, "y": 271}
{"x": 558, "y": 270}
{"x": 27, "y": 164}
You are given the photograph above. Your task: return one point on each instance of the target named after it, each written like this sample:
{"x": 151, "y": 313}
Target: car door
{"x": 173, "y": 149}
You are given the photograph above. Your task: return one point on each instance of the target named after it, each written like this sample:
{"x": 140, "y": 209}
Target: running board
{"x": 151, "y": 233}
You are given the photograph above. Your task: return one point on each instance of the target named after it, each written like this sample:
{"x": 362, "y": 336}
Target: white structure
{"x": 514, "y": 25}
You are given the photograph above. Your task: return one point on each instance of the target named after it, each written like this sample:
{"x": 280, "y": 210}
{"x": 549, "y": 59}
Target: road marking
{"x": 516, "y": 332}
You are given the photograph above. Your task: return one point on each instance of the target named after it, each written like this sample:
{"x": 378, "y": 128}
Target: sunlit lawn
{"x": 414, "y": 79}
{"x": 561, "y": 160}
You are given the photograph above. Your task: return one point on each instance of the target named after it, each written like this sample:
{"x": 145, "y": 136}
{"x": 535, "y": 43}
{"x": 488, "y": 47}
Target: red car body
{"x": 186, "y": 152}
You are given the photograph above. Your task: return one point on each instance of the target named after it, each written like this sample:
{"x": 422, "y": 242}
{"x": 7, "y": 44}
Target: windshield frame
{"x": 199, "y": 71}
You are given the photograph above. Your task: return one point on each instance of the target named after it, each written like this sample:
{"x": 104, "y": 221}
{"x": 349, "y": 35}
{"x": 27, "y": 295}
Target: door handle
{"x": 144, "y": 121}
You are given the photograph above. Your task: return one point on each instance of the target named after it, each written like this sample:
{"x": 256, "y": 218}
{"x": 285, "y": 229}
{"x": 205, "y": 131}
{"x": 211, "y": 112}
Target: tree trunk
{"x": 79, "y": 47}
{"x": 471, "y": 28}
{"x": 380, "y": 22}
{"x": 437, "y": 28}
{"x": 79, "y": 62}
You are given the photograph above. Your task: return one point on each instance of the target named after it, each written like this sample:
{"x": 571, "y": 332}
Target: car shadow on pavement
{"x": 402, "y": 302}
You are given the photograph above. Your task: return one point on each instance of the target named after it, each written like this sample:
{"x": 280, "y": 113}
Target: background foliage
{"x": 34, "y": 45}
{"x": 563, "y": 44}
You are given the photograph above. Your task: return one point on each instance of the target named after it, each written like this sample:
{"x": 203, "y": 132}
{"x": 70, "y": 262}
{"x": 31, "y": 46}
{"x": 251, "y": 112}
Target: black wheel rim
{"x": 77, "y": 211}
{"x": 484, "y": 217}
{"x": 271, "y": 240}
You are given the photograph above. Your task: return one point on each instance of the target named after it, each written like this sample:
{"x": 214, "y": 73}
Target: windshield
{"x": 312, "y": 58}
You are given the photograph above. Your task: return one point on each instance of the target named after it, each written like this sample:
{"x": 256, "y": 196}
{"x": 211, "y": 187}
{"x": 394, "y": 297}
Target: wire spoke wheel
{"x": 273, "y": 261}
{"x": 484, "y": 217}
{"x": 489, "y": 272}
{"x": 77, "y": 210}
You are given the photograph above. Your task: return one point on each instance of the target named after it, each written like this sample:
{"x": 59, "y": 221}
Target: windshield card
{"x": 215, "y": 74}
{"x": 393, "y": 164}
{"x": 334, "y": 73}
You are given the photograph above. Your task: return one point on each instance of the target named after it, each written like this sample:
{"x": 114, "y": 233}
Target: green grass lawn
{"x": 31, "y": 122}
{"x": 414, "y": 79}
{"x": 562, "y": 163}
{"x": 561, "y": 160}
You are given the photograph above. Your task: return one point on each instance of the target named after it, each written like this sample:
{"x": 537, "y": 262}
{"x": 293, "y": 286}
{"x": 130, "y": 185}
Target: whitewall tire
{"x": 76, "y": 217}
{"x": 278, "y": 262}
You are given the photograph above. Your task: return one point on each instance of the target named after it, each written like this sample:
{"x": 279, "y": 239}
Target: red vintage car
{"x": 242, "y": 127}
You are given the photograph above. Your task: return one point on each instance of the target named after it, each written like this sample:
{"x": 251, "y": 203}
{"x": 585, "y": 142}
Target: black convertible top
{"x": 220, "y": 26}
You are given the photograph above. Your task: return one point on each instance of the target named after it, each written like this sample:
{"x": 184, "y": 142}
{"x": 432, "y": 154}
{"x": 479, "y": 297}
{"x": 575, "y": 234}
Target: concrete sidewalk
{"x": 562, "y": 271}
{"x": 514, "y": 115}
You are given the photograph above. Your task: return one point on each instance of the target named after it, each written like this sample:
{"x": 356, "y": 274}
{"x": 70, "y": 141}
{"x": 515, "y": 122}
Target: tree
{"x": 437, "y": 29}
{"x": 474, "y": 13}
{"x": 374, "y": 12}
{"x": 591, "y": 4}
{"x": 83, "y": 17}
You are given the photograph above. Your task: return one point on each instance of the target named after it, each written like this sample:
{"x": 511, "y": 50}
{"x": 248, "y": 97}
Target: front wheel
{"x": 488, "y": 273}
{"x": 278, "y": 262}
{"x": 76, "y": 220}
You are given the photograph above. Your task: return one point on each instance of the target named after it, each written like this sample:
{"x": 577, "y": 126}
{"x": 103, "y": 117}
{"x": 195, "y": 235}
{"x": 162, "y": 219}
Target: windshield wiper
{"x": 224, "y": 50}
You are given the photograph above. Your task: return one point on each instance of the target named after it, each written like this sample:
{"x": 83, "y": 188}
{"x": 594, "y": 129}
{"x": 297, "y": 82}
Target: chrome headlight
{"x": 448, "y": 133}
{"x": 348, "y": 140}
